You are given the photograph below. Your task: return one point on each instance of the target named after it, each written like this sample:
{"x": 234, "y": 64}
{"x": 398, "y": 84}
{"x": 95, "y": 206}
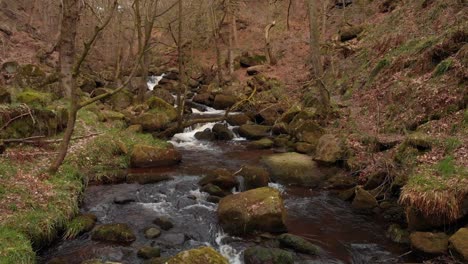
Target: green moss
{"x": 203, "y": 255}
{"x": 34, "y": 98}
{"x": 443, "y": 67}
{"x": 446, "y": 167}
{"x": 15, "y": 248}
{"x": 379, "y": 67}
{"x": 451, "y": 144}
{"x": 79, "y": 225}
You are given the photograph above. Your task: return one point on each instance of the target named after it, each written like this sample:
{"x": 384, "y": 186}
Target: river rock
{"x": 152, "y": 232}
{"x": 172, "y": 239}
{"x": 304, "y": 147}
{"x": 204, "y": 98}
{"x": 222, "y": 132}
{"x": 115, "y": 233}
{"x": 254, "y": 131}
{"x": 254, "y": 177}
{"x": 329, "y": 149}
{"x": 221, "y": 178}
{"x": 459, "y": 242}
{"x": 262, "y": 255}
{"x": 427, "y": 242}
{"x": 340, "y": 181}
{"x": 206, "y": 134}
{"x": 148, "y": 252}
{"x": 146, "y": 156}
{"x": 121, "y": 100}
{"x": 298, "y": 244}
{"x": 305, "y": 130}
{"x": 152, "y": 121}
{"x": 165, "y": 95}
{"x": 397, "y": 234}
{"x": 223, "y": 101}
{"x": 363, "y": 200}
{"x": 214, "y": 190}
{"x": 293, "y": 168}
{"x": 164, "y": 222}
{"x": 264, "y": 143}
{"x": 259, "y": 209}
{"x": 238, "y": 119}
{"x": 202, "y": 255}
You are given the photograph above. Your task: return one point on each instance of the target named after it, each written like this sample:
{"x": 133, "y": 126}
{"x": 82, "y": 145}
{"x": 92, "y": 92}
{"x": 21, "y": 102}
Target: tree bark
{"x": 182, "y": 91}
{"x": 268, "y": 52}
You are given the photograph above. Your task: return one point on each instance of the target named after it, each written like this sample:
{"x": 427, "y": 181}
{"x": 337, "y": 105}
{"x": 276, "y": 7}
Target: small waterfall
{"x": 154, "y": 80}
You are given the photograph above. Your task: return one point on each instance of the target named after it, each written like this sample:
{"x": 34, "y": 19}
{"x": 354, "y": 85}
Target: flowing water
{"x": 345, "y": 236}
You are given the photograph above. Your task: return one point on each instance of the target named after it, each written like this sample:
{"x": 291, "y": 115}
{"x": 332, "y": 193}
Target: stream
{"x": 345, "y": 235}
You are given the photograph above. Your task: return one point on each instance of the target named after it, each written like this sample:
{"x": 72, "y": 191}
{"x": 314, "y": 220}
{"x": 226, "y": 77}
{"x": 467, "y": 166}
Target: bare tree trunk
{"x": 182, "y": 91}
{"x": 234, "y": 29}
{"x": 67, "y": 58}
{"x": 230, "y": 48}
{"x": 268, "y": 52}
{"x": 289, "y": 14}
{"x": 219, "y": 62}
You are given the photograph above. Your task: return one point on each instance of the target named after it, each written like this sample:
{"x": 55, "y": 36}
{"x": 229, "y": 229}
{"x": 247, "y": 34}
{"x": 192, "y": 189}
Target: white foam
{"x": 277, "y": 186}
{"x": 230, "y": 253}
{"x": 154, "y": 80}
{"x": 187, "y": 138}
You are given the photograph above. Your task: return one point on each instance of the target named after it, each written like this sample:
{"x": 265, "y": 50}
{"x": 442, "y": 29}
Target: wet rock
{"x": 293, "y": 168}
{"x": 254, "y": 177}
{"x": 152, "y": 232}
{"x": 397, "y": 234}
{"x": 363, "y": 200}
{"x": 5, "y": 96}
{"x": 459, "y": 242}
{"x": 220, "y": 177}
{"x": 259, "y": 209}
{"x": 148, "y": 252}
{"x": 214, "y": 190}
{"x": 262, "y": 255}
{"x": 164, "y": 222}
{"x": 146, "y": 177}
{"x": 202, "y": 255}
{"x": 298, "y": 244}
{"x": 264, "y": 143}
{"x": 330, "y": 149}
{"x": 304, "y": 147}
{"x": 223, "y": 101}
{"x": 121, "y": 100}
{"x": 172, "y": 239}
{"x": 124, "y": 199}
{"x": 238, "y": 119}
{"x": 213, "y": 199}
{"x": 432, "y": 243}
{"x": 340, "y": 181}
{"x": 114, "y": 233}
{"x": 254, "y": 131}
{"x": 222, "y": 132}
{"x": 145, "y": 156}
{"x": 347, "y": 195}
{"x": 206, "y": 134}
{"x": 204, "y": 98}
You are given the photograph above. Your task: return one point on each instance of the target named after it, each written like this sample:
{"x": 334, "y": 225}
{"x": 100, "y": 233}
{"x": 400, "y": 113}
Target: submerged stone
{"x": 298, "y": 244}
{"x": 262, "y": 255}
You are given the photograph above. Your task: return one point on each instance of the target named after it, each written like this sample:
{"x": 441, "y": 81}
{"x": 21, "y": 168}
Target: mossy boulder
{"x": 108, "y": 115}
{"x": 5, "y": 96}
{"x": 202, "y": 255}
{"x": 34, "y": 98}
{"x": 363, "y": 200}
{"x": 238, "y": 119}
{"x": 158, "y": 105}
{"x": 224, "y": 101}
{"x": 264, "y": 143}
{"x": 152, "y": 121}
{"x": 427, "y": 242}
{"x": 121, "y": 100}
{"x": 293, "y": 168}
{"x": 397, "y": 234}
{"x": 298, "y": 244}
{"x": 262, "y": 255}
{"x": 459, "y": 243}
{"x": 114, "y": 233}
{"x": 29, "y": 75}
{"x": 260, "y": 209}
{"x": 254, "y": 177}
{"x": 221, "y": 178}
{"x": 306, "y": 130}
{"x": 148, "y": 252}
{"x": 254, "y": 131}
{"x": 145, "y": 156}
{"x": 164, "y": 95}
{"x": 330, "y": 149}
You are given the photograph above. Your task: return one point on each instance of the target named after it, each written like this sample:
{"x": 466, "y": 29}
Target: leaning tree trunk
{"x": 67, "y": 58}
{"x": 268, "y": 52}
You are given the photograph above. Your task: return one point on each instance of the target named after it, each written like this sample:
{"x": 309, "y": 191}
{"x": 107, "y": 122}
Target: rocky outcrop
{"x": 262, "y": 255}
{"x": 427, "y": 242}
{"x": 202, "y": 255}
{"x": 293, "y": 168}
{"x": 145, "y": 156}
{"x": 114, "y": 233}
{"x": 259, "y": 209}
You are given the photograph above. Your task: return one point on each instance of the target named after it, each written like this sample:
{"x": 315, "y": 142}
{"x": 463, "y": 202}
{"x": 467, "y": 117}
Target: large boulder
{"x": 34, "y": 98}
{"x": 204, "y": 98}
{"x": 298, "y": 244}
{"x": 121, "y": 100}
{"x": 254, "y": 177}
{"x": 115, "y": 233}
{"x": 158, "y": 105}
{"x": 330, "y": 149}
{"x": 221, "y": 178}
{"x": 144, "y": 156}
{"x": 223, "y": 101}
{"x": 293, "y": 168}
{"x": 306, "y": 130}
{"x": 262, "y": 255}
{"x": 238, "y": 119}
{"x": 164, "y": 95}
{"x": 459, "y": 242}
{"x": 254, "y": 131}
{"x": 202, "y": 255}
{"x": 222, "y": 132}
{"x": 427, "y": 242}
{"x": 259, "y": 209}
{"x": 152, "y": 121}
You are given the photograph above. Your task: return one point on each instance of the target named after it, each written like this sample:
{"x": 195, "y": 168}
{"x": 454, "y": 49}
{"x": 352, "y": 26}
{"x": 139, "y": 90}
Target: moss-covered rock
{"x": 254, "y": 177}
{"x": 145, "y": 156}
{"x": 305, "y": 130}
{"x": 202, "y": 255}
{"x": 293, "y": 168}
{"x": 224, "y": 101}
{"x": 459, "y": 242}
{"x": 262, "y": 255}
{"x": 114, "y": 233}
{"x": 112, "y": 115}
{"x": 5, "y": 96}
{"x": 264, "y": 143}
{"x": 419, "y": 141}
{"x": 238, "y": 119}
{"x": 304, "y": 147}
{"x": 330, "y": 149}
{"x": 148, "y": 252}
{"x": 164, "y": 95}
{"x": 121, "y": 100}
{"x": 34, "y": 98}
{"x": 221, "y": 178}
{"x": 153, "y": 121}
{"x": 158, "y": 105}
{"x": 427, "y": 242}
{"x": 134, "y": 129}
{"x": 397, "y": 234}
{"x": 298, "y": 244}
{"x": 254, "y": 131}
{"x": 363, "y": 200}
{"x": 259, "y": 209}
{"x": 29, "y": 75}
{"x": 214, "y": 190}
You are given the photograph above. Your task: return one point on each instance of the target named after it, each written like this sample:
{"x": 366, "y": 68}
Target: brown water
{"x": 345, "y": 236}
